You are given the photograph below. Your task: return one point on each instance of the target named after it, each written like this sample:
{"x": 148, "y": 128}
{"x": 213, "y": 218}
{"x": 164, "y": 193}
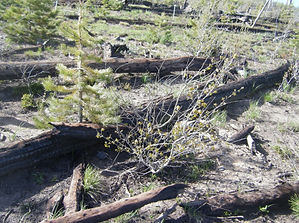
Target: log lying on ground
{"x": 68, "y": 137}
{"x": 138, "y": 2}
{"x": 72, "y": 200}
{"x": 248, "y": 86}
{"x": 228, "y": 26}
{"x": 21, "y": 50}
{"x": 15, "y": 70}
{"x": 88, "y": 131}
{"x": 236, "y": 27}
{"x": 268, "y": 19}
{"x": 138, "y": 22}
{"x": 18, "y": 70}
{"x": 247, "y": 202}
{"x": 156, "y": 9}
{"x": 115, "y": 209}
{"x": 55, "y": 143}
{"x": 230, "y": 92}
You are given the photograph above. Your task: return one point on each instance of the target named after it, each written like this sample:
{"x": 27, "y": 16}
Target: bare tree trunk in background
{"x": 270, "y": 5}
{"x": 260, "y": 13}
{"x": 185, "y": 4}
{"x": 79, "y": 64}
{"x": 56, "y": 3}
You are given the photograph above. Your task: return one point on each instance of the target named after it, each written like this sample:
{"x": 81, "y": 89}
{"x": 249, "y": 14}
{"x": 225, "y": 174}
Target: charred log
{"x": 15, "y": 70}
{"x": 115, "y": 209}
{"x": 57, "y": 142}
{"x": 246, "y": 202}
{"x": 236, "y": 27}
{"x": 137, "y": 22}
{"x": 72, "y": 200}
{"x": 248, "y": 86}
{"x": 241, "y": 136}
{"x": 226, "y": 93}
{"x": 267, "y": 19}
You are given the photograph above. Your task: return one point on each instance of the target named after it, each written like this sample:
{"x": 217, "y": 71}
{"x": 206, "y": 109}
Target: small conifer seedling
{"x": 81, "y": 93}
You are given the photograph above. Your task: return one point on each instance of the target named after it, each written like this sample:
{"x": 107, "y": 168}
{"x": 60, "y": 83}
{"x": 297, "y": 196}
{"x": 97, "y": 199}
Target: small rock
{"x": 221, "y": 168}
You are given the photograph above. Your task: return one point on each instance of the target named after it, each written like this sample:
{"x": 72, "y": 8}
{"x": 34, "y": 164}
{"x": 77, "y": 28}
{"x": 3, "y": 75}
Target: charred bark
{"x": 21, "y": 51}
{"x": 60, "y": 141}
{"x": 246, "y": 202}
{"x": 159, "y": 9}
{"x": 138, "y": 2}
{"x": 138, "y": 22}
{"x": 268, "y": 19}
{"x": 15, "y": 70}
{"x": 260, "y": 28}
{"x": 18, "y": 70}
{"x": 236, "y": 27}
{"x": 115, "y": 209}
{"x": 226, "y": 93}
{"x": 88, "y": 131}
{"x": 241, "y": 136}
{"x": 72, "y": 200}
{"x": 248, "y": 86}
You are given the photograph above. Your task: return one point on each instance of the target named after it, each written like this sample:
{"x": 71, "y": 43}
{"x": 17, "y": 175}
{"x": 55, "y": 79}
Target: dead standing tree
{"x": 260, "y": 13}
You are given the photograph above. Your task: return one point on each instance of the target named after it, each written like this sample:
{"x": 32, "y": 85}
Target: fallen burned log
{"x": 15, "y": 70}
{"x": 268, "y": 19}
{"x": 18, "y": 70}
{"x": 137, "y": 22}
{"x": 247, "y": 86}
{"x": 159, "y": 9}
{"x": 138, "y": 2}
{"x": 241, "y": 136}
{"x": 57, "y": 142}
{"x": 236, "y": 27}
{"x": 246, "y": 202}
{"x": 21, "y": 50}
{"x": 227, "y": 26}
{"x": 88, "y": 131}
{"x": 72, "y": 201}
{"x": 117, "y": 208}
{"x": 226, "y": 93}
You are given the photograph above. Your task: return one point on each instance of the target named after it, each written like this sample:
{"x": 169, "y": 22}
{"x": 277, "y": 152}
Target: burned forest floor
{"x": 28, "y": 195}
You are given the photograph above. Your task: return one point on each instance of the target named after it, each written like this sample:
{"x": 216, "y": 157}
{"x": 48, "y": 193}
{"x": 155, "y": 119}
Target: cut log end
{"x": 241, "y": 136}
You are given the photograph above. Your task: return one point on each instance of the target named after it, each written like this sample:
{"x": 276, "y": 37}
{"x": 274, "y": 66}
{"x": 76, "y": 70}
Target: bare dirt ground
{"x": 25, "y": 194}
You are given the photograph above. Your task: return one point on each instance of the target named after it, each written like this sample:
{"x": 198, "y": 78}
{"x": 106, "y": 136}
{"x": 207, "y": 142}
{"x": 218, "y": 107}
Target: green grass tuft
{"x": 219, "y": 118}
{"x": 294, "y": 203}
{"x": 253, "y": 113}
{"x": 91, "y": 182}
